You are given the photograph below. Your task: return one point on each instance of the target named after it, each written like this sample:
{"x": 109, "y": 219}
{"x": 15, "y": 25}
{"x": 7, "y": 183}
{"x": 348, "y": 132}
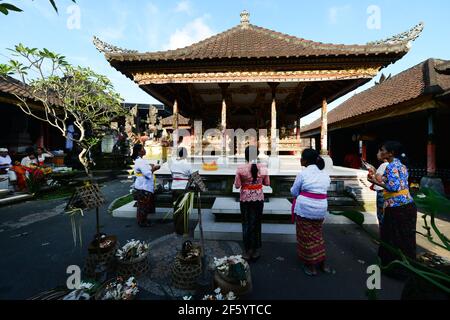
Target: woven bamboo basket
{"x": 99, "y": 257}
{"x": 227, "y": 284}
{"x": 135, "y": 267}
{"x": 193, "y": 260}
{"x": 185, "y": 275}
{"x": 102, "y": 291}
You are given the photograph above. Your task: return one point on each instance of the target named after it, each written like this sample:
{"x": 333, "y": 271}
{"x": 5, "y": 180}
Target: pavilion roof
{"x": 12, "y": 86}
{"x": 410, "y": 84}
{"x": 444, "y": 68}
{"x": 246, "y": 41}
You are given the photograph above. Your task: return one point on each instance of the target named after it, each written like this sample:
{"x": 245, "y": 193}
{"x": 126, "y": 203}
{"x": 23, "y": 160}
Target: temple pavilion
{"x": 252, "y": 77}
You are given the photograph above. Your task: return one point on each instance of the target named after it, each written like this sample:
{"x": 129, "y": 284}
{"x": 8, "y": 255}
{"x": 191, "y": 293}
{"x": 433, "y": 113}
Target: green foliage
{"x": 122, "y": 201}
{"x": 35, "y": 180}
{"x": 431, "y": 203}
{"x": 434, "y": 277}
{"x": 5, "y": 8}
{"x": 67, "y": 93}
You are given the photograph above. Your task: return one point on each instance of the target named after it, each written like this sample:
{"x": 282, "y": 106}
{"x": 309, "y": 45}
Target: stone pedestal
{"x": 434, "y": 183}
{"x": 328, "y": 162}
{"x": 274, "y": 163}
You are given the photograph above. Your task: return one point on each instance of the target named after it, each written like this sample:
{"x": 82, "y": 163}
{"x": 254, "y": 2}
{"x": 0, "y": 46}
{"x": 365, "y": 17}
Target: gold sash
{"x": 389, "y": 195}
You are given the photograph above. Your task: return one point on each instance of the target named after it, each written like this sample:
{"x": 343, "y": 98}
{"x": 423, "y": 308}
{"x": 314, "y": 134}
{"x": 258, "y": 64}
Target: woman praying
{"x": 144, "y": 186}
{"x": 310, "y": 189}
{"x": 250, "y": 178}
{"x": 398, "y": 228}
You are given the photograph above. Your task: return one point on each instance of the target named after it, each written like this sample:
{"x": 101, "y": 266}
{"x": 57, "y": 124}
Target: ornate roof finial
{"x": 402, "y": 38}
{"x": 245, "y": 18}
{"x": 104, "y": 47}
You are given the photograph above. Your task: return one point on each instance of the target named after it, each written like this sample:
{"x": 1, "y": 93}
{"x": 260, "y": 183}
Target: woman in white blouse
{"x": 311, "y": 205}
{"x": 144, "y": 186}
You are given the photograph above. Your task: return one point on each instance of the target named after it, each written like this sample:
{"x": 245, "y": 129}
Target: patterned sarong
{"x": 310, "y": 243}
{"x": 145, "y": 203}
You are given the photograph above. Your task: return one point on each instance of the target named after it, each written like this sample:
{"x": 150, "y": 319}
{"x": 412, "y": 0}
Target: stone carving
{"x": 108, "y": 48}
{"x": 402, "y": 38}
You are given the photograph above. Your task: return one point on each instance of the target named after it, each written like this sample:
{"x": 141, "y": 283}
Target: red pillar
{"x": 431, "y": 147}
{"x": 431, "y": 158}
{"x": 364, "y": 150}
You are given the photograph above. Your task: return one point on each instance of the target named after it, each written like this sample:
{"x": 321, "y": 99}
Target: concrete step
{"x": 275, "y": 209}
{"x": 15, "y": 198}
{"x": 271, "y": 232}
{"x": 128, "y": 211}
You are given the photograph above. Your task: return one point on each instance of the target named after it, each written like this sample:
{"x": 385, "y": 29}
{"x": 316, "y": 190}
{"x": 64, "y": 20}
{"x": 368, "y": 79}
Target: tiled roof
{"x": 405, "y": 86}
{"x": 250, "y": 41}
{"x": 12, "y": 86}
{"x": 444, "y": 68}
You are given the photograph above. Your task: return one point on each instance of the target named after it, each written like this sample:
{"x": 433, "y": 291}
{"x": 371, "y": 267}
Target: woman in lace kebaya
{"x": 250, "y": 178}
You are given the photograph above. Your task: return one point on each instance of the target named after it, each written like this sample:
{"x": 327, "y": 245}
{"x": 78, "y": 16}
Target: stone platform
{"x": 275, "y": 210}
{"x": 271, "y": 232}
{"x": 128, "y": 211}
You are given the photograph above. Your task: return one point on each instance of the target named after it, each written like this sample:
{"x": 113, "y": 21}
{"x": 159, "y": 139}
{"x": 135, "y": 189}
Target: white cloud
{"x": 184, "y": 6}
{"x": 192, "y": 32}
{"x": 336, "y": 13}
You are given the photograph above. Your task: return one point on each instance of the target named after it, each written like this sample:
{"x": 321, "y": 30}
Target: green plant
{"x": 5, "y": 8}
{"x": 35, "y": 179}
{"x": 435, "y": 277}
{"x": 120, "y": 202}
{"x": 431, "y": 203}
{"x": 65, "y": 94}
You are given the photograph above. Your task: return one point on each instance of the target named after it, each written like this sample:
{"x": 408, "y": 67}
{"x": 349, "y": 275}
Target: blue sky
{"x": 158, "y": 25}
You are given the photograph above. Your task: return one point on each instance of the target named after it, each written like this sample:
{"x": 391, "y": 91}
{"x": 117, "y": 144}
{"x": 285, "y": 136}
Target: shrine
{"x": 249, "y": 77}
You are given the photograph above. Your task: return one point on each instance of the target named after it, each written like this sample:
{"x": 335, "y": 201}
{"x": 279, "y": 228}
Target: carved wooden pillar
{"x": 175, "y": 122}
{"x": 224, "y": 87}
{"x": 324, "y": 128}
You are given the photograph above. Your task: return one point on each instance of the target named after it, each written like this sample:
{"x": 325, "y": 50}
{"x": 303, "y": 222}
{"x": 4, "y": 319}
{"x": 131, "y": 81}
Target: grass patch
{"x": 122, "y": 201}
{"x": 58, "y": 193}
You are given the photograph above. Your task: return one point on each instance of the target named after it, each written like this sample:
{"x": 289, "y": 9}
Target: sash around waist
{"x": 389, "y": 195}
{"x": 253, "y": 187}
{"x": 315, "y": 196}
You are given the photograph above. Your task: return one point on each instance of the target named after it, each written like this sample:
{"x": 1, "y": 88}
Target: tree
{"x": 5, "y": 8}
{"x": 67, "y": 94}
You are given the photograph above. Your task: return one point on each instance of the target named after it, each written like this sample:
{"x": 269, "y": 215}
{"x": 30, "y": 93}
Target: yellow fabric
{"x": 141, "y": 175}
{"x": 390, "y": 195}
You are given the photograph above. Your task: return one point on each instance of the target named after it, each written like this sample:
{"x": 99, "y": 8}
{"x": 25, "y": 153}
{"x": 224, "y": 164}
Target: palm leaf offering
{"x": 431, "y": 275}
{"x": 431, "y": 203}
{"x": 184, "y": 206}
{"x": 75, "y": 216}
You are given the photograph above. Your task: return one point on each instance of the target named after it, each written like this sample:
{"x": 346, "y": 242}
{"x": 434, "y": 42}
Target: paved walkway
{"x": 37, "y": 246}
